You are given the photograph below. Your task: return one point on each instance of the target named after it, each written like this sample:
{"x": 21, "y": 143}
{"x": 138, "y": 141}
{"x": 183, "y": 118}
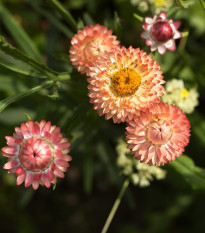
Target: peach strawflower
{"x": 161, "y": 33}
{"x": 90, "y": 43}
{"x": 124, "y": 81}
{"x": 37, "y": 153}
{"x": 159, "y": 134}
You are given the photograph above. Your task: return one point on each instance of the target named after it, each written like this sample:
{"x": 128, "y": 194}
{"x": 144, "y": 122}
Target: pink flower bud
{"x": 160, "y": 33}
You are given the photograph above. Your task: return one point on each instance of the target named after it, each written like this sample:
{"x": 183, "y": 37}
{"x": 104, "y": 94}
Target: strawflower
{"x": 159, "y": 134}
{"x": 177, "y": 94}
{"x": 124, "y": 81}
{"x": 90, "y": 43}
{"x": 160, "y": 33}
{"x": 37, "y": 153}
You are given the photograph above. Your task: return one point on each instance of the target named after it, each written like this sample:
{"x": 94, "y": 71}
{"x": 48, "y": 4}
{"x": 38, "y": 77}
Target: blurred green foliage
{"x": 81, "y": 202}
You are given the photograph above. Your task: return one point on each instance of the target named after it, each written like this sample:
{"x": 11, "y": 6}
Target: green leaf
{"x": 5, "y": 102}
{"x": 184, "y": 3}
{"x": 19, "y": 35}
{"x": 64, "y": 13}
{"x": 202, "y": 3}
{"x": 194, "y": 175}
{"x": 117, "y": 25}
{"x": 53, "y": 19}
{"x": 19, "y": 55}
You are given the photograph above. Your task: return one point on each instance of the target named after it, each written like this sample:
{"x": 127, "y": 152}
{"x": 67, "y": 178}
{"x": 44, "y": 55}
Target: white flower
{"x": 140, "y": 174}
{"x": 177, "y": 94}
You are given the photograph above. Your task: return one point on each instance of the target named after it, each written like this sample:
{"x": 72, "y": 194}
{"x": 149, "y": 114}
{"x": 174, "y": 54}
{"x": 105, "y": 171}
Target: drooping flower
{"x": 90, "y": 43}
{"x": 37, "y": 153}
{"x": 177, "y": 94}
{"x": 160, "y": 33}
{"x": 124, "y": 81}
{"x": 140, "y": 174}
{"x": 159, "y": 134}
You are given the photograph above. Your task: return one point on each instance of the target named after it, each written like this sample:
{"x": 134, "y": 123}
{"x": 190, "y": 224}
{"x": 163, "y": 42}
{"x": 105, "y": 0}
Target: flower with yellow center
{"x": 123, "y": 82}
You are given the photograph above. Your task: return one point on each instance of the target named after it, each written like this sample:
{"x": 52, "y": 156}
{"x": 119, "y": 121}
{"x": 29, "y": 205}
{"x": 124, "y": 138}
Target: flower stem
{"x": 5, "y": 102}
{"x": 139, "y": 18}
{"x": 115, "y": 206}
{"x": 64, "y": 13}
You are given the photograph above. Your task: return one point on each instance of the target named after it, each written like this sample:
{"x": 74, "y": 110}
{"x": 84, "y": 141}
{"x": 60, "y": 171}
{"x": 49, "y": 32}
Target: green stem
{"x": 19, "y": 55}
{"x": 185, "y": 34}
{"x": 64, "y": 13}
{"x": 139, "y": 18}
{"x": 5, "y": 102}
{"x": 115, "y": 206}
{"x": 183, "y": 41}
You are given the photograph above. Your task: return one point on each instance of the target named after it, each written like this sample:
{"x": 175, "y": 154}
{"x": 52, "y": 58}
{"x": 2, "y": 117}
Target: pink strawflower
{"x": 159, "y": 134}
{"x": 124, "y": 81}
{"x": 161, "y": 33}
{"x": 90, "y": 43}
{"x": 37, "y": 153}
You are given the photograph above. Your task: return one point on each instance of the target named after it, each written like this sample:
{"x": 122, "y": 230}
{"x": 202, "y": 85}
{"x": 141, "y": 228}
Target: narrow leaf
{"x": 117, "y": 25}
{"x": 194, "y": 175}
{"x": 64, "y": 13}
{"x": 184, "y": 3}
{"x": 5, "y": 102}
{"x": 53, "y": 19}
{"x": 19, "y": 35}
{"x": 19, "y": 55}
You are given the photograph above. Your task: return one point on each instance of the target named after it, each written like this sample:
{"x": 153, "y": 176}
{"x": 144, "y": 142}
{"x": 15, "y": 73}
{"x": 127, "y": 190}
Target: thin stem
{"x": 183, "y": 41}
{"x": 139, "y": 18}
{"x": 64, "y": 13}
{"x": 115, "y": 206}
{"x": 5, "y": 102}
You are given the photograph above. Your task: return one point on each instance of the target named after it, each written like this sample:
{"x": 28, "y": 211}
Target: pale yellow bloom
{"x": 140, "y": 174}
{"x": 177, "y": 94}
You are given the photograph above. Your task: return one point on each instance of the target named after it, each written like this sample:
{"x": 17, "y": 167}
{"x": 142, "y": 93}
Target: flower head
{"x": 161, "y": 33}
{"x": 123, "y": 82}
{"x": 177, "y": 94}
{"x": 37, "y": 153}
{"x": 140, "y": 174}
{"x": 159, "y": 134}
{"x": 90, "y": 43}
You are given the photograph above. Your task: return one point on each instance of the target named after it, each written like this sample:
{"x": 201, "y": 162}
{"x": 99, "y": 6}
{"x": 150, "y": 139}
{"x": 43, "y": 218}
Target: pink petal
{"x": 177, "y": 24}
{"x": 58, "y": 173}
{"x": 45, "y": 180}
{"x": 20, "y": 179}
{"x": 161, "y": 49}
{"x": 61, "y": 163}
{"x": 29, "y": 179}
{"x": 11, "y": 164}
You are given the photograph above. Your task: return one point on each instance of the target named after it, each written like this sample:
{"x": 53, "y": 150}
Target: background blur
{"x": 81, "y": 202}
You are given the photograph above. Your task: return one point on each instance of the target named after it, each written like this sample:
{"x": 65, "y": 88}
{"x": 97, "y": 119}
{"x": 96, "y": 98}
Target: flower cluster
{"x": 141, "y": 174}
{"x": 177, "y": 94}
{"x": 37, "y": 153}
{"x": 126, "y": 84}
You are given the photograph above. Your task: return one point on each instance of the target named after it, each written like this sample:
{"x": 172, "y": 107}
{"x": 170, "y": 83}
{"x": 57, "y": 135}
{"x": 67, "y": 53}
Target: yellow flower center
{"x": 159, "y": 2}
{"x": 125, "y": 82}
{"x": 184, "y": 93}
